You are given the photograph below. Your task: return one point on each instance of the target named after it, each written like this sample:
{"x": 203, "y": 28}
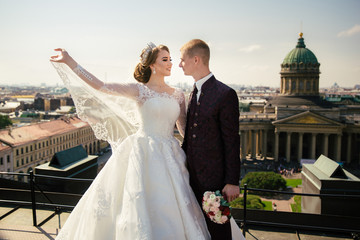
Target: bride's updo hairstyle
{"x": 148, "y": 56}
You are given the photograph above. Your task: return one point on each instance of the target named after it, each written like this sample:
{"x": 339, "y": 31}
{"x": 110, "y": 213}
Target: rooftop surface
{"x": 18, "y": 225}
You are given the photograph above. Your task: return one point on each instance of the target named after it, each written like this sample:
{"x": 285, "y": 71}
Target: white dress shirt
{"x": 199, "y": 84}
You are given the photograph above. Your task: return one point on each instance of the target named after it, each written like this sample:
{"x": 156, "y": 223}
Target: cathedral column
{"x": 288, "y": 145}
{"x": 338, "y": 148}
{"x": 258, "y": 139}
{"x": 326, "y": 145}
{"x": 297, "y": 86}
{"x": 241, "y": 145}
{"x": 300, "y": 146}
{"x": 313, "y": 146}
{"x": 253, "y": 144}
{"x": 264, "y": 143}
{"x": 276, "y": 150}
{"x": 348, "y": 153}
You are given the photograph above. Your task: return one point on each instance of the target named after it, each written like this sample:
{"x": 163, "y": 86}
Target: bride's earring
{"x": 154, "y": 72}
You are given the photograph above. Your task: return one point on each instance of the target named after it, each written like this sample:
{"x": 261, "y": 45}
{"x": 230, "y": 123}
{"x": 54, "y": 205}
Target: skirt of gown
{"x": 142, "y": 192}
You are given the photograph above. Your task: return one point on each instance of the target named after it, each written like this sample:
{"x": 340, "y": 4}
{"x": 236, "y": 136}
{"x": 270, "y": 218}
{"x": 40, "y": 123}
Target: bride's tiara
{"x": 146, "y": 51}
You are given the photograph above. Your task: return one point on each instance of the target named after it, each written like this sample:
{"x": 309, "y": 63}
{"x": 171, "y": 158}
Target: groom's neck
{"x": 201, "y": 74}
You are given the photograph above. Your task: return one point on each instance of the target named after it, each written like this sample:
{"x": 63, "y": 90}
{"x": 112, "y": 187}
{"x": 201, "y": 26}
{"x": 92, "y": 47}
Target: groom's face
{"x": 187, "y": 64}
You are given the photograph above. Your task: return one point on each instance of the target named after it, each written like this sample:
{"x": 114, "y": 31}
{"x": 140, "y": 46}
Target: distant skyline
{"x": 248, "y": 39}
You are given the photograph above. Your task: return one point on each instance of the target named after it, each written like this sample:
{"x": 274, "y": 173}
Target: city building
{"x": 36, "y": 144}
{"x": 5, "y": 159}
{"x": 298, "y": 123}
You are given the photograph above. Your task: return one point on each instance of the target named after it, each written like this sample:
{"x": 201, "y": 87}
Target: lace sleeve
{"x": 112, "y": 116}
{"x": 126, "y": 90}
{"x": 181, "y": 121}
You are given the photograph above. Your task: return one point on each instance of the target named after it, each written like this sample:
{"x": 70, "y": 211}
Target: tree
{"x": 4, "y": 121}
{"x": 264, "y": 180}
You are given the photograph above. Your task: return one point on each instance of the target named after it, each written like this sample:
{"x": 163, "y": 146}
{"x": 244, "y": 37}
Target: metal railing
{"x": 244, "y": 222}
{"x": 58, "y": 208}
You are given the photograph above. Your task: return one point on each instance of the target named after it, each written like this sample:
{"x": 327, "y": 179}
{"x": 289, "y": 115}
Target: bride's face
{"x": 163, "y": 63}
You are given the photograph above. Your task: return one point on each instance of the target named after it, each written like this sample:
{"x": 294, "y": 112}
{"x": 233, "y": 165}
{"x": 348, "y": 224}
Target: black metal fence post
{"x": 33, "y": 203}
{"x": 245, "y": 194}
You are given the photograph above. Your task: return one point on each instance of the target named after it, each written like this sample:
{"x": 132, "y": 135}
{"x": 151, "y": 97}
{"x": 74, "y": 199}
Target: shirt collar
{"x": 201, "y": 81}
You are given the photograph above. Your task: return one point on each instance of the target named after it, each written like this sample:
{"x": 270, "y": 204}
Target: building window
{"x": 27, "y": 149}
{"x": 22, "y": 150}
{"x": 27, "y": 159}
{"x": 31, "y": 148}
{"x": 17, "y": 163}
{"x": 39, "y": 145}
{"x": 22, "y": 161}
{"x": 17, "y": 152}
{"x": 8, "y": 158}
{"x": 1, "y": 161}
{"x": 43, "y": 144}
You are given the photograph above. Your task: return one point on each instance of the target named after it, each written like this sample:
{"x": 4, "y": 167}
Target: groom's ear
{"x": 196, "y": 59}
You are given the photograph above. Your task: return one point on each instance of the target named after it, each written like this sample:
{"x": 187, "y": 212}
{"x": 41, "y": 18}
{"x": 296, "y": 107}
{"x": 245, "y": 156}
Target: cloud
{"x": 352, "y": 31}
{"x": 250, "y": 48}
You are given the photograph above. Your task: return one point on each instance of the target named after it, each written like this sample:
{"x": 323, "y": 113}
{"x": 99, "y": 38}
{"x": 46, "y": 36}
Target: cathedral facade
{"x": 299, "y": 123}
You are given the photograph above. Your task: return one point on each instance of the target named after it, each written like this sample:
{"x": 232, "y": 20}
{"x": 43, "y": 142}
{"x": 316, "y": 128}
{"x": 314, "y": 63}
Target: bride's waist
{"x": 156, "y": 133}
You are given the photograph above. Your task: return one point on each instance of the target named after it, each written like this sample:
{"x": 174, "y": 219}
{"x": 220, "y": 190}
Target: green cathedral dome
{"x": 300, "y": 54}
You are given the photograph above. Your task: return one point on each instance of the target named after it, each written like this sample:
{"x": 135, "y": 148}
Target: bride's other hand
{"x": 63, "y": 57}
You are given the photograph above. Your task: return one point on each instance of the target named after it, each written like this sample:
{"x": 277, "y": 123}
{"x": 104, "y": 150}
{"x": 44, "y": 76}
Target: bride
{"x": 143, "y": 191}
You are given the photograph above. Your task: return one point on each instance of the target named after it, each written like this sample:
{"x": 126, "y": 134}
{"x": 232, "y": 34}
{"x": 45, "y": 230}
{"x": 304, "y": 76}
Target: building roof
{"x": 9, "y": 105}
{"x": 327, "y": 169}
{"x": 4, "y": 147}
{"x": 300, "y": 54}
{"x": 68, "y": 156}
{"x": 22, "y": 135}
{"x": 314, "y": 101}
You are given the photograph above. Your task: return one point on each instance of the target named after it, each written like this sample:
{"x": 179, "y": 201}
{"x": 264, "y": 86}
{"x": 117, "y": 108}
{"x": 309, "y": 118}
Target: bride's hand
{"x": 62, "y": 57}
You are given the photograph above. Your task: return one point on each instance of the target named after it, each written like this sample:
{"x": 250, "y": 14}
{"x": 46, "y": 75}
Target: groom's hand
{"x": 231, "y": 192}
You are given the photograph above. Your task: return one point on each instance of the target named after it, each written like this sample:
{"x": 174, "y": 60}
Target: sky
{"x": 248, "y": 39}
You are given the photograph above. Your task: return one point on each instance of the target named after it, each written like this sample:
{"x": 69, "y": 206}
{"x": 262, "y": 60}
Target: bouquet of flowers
{"x": 216, "y": 207}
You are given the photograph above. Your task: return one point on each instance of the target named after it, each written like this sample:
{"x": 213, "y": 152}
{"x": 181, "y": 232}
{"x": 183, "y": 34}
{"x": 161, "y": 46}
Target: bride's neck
{"x": 156, "y": 81}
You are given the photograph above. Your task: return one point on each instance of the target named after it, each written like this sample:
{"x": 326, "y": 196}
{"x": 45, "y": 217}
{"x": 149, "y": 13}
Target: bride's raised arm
{"x": 126, "y": 90}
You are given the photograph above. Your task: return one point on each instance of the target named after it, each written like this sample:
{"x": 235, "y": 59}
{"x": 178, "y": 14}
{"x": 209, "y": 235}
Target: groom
{"x": 211, "y": 140}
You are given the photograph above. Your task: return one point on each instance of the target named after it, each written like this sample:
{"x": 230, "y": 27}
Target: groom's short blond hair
{"x": 197, "y": 47}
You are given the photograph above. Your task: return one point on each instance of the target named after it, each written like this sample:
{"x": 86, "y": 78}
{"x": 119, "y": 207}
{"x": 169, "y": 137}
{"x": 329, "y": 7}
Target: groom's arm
{"x": 229, "y": 125}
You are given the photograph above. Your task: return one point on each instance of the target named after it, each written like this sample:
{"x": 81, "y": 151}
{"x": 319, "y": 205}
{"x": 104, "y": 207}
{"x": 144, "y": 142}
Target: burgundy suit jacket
{"x": 212, "y": 141}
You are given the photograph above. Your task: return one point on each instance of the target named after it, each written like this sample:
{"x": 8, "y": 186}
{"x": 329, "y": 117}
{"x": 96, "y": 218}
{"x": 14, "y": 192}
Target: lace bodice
{"x": 159, "y": 111}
